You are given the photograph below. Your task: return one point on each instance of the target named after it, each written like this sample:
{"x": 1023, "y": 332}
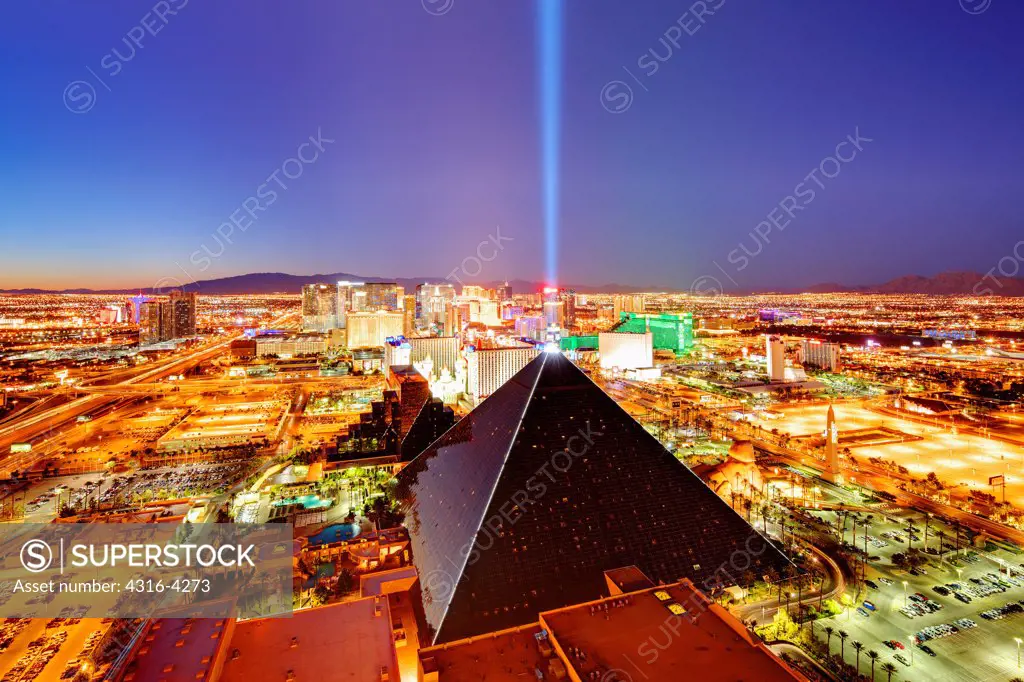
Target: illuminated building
{"x": 530, "y": 327}
{"x": 433, "y": 302}
{"x": 174, "y": 318}
{"x": 287, "y": 346}
{"x": 151, "y": 324}
{"x": 473, "y": 291}
{"x": 371, "y": 329}
{"x": 633, "y": 303}
{"x": 503, "y": 292}
{"x": 412, "y": 391}
{"x": 374, "y": 296}
{"x": 183, "y": 312}
{"x": 511, "y": 311}
{"x": 344, "y": 304}
{"x": 452, "y": 321}
{"x": 320, "y": 307}
{"x": 443, "y": 352}
{"x": 554, "y": 308}
{"x": 670, "y": 332}
{"x": 397, "y": 351}
{"x": 820, "y": 354}
{"x": 136, "y": 304}
{"x": 778, "y": 316}
{"x": 626, "y": 350}
{"x": 409, "y": 310}
{"x": 575, "y": 343}
{"x": 422, "y": 418}
{"x": 568, "y": 298}
{"x": 489, "y": 314}
{"x": 775, "y": 352}
{"x": 488, "y": 368}
{"x": 112, "y": 314}
{"x": 497, "y": 540}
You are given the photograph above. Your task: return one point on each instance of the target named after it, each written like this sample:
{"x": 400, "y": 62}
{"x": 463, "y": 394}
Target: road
{"x": 763, "y": 611}
{"x": 875, "y": 478}
{"x": 47, "y": 422}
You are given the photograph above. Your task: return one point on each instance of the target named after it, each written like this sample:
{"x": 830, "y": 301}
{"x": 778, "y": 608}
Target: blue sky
{"x": 436, "y": 135}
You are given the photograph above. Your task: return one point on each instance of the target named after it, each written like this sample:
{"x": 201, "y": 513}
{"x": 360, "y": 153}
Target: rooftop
{"x": 634, "y": 636}
{"x": 642, "y": 634}
{"x": 507, "y": 656}
{"x": 346, "y": 642}
{"x": 178, "y": 650}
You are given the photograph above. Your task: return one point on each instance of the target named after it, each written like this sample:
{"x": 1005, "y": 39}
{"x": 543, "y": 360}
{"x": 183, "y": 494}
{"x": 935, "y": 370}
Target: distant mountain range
{"x": 280, "y": 282}
{"x": 943, "y": 284}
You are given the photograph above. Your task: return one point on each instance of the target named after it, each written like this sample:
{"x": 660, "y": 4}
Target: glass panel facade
{"x": 584, "y": 489}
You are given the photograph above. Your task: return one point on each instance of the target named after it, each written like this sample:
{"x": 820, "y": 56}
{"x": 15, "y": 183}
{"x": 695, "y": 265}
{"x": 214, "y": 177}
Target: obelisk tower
{"x": 832, "y": 473}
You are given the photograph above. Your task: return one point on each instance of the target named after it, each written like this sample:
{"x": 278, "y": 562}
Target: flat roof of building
{"x": 506, "y": 656}
{"x": 381, "y": 582}
{"x": 628, "y": 579}
{"x": 346, "y": 642}
{"x": 178, "y": 650}
{"x": 405, "y": 373}
{"x": 640, "y": 634}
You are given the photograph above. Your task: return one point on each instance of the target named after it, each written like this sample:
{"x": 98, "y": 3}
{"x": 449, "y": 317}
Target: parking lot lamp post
{"x": 1018, "y": 640}
{"x": 911, "y": 640}
{"x": 926, "y": 520}
{"x": 959, "y": 574}
{"x": 904, "y": 594}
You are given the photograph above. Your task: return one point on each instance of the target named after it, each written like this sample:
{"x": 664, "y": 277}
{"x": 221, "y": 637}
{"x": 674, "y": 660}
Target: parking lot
{"x": 132, "y": 487}
{"x": 973, "y": 649}
{"x": 45, "y": 650}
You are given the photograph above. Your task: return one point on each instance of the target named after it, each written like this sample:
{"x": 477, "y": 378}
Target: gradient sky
{"x": 435, "y": 119}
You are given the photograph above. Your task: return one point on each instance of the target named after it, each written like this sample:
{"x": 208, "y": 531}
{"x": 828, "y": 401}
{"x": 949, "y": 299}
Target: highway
{"x": 43, "y": 428}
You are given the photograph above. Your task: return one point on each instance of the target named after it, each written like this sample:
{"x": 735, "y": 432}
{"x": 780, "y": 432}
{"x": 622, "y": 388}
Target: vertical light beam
{"x": 549, "y": 78}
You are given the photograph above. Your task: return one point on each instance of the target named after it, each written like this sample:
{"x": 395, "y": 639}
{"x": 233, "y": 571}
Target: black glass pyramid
{"x": 523, "y": 504}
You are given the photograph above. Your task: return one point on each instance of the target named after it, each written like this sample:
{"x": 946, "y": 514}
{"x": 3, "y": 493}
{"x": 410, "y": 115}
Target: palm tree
{"x": 889, "y": 669}
{"x": 865, "y": 524}
{"x": 859, "y": 647}
{"x": 843, "y": 634}
{"x": 765, "y": 513}
{"x": 873, "y": 655}
{"x": 829, "y": 631}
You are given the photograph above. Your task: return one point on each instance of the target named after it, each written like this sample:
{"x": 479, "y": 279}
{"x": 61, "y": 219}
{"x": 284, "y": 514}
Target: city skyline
{"x": 426, "y": 139}
{"x": 464, "y": 340}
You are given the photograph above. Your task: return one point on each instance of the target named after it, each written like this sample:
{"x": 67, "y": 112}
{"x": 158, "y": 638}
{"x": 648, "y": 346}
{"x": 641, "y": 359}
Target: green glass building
{"x": 669, "y": 331}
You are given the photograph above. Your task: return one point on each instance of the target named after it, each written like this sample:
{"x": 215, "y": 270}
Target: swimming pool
{"x": 337, "y": 532}
{"x": 307, "y": 501}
